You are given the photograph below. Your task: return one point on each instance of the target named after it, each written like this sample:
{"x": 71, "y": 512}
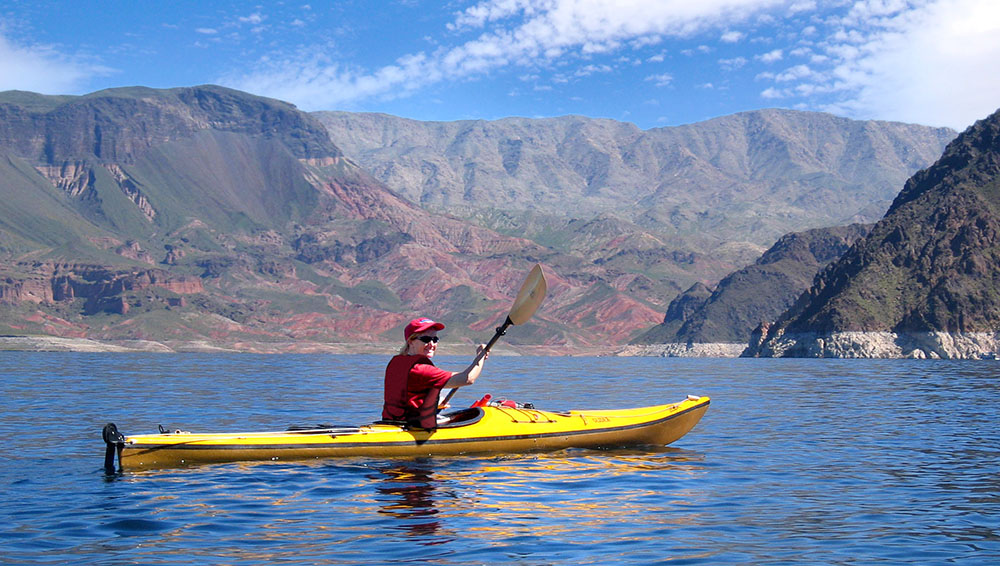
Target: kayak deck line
{"x": 193, "y": 445}
{"x": 369, "y": 429}
{"x": 494, "y": 429}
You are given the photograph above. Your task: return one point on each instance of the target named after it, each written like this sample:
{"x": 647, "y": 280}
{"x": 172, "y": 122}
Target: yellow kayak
{"x": 488, "y": 429}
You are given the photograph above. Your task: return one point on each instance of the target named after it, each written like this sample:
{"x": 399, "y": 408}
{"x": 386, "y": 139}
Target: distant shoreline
{"x": 59, "y": 344}
{"x": 711, "y": 350}
{"x": 864, "y": 345}
{"x": 841, "y": 345}
{"x": 40, "y": 343}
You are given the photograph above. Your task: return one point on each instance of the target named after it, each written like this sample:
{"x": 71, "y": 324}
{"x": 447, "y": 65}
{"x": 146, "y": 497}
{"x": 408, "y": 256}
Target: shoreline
{"x": 43, "y": 343}
{"x": 841, "y": 345}
{"x": 700, "y": 350}
{"x": 880, "y": 345}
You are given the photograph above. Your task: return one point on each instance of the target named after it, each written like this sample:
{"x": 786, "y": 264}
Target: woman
{"x": 413, "y": 383}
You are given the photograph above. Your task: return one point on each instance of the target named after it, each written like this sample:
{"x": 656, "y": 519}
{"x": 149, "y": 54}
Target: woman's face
{"x": 418, "y": 346}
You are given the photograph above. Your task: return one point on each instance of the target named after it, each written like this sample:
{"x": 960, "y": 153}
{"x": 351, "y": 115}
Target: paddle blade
{"x": 531, "y": 295}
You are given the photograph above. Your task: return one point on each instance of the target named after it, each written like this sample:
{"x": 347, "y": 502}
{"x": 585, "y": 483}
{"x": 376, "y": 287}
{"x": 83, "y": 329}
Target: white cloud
{"x": 798, "y": 72}
{"x": 700, "y": 50}
{"x": 803, "y": 6}
{"x": 732, "y": 36}
{"x": 511, "y": 32}
{"x": 733, "y": 64}
{"x": 772, "y": 56}
{"x": 485, "y": 12}
{"x": 41, "y": 68}
{"x": 773, "y": 93}
{"x": 645, "y": 41}
{"x": 255, "y": 19}
{"x": 923, "y": 61}
{"x": 662, "y": 79}
{"x": 932, "y": 62}
{"x": 588, "y": 70}
{"x": 207, "y": 31}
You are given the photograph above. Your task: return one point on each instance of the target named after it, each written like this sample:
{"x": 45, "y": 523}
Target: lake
{"x": 796, "y": 462}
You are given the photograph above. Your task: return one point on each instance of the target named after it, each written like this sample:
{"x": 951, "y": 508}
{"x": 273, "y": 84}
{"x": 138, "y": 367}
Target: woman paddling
{"x": 413, "y": 383}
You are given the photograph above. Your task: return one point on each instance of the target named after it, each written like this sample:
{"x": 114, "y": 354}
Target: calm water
{"x": 796, "y": 462}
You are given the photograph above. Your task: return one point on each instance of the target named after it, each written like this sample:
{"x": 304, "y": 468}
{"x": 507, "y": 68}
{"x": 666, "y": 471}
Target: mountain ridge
{"x": 292, "y": 241}
{"x": 697, "y": 178}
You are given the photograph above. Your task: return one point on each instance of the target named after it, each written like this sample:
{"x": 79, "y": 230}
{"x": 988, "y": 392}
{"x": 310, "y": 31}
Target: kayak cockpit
{"x": 454, "y": 419}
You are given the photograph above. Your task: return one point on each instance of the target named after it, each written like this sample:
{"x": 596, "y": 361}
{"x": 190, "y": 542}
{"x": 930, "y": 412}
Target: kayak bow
{"x": 489, "y": 429}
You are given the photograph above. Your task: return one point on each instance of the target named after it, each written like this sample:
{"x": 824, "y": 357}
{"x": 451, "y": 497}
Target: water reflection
{"x": 407, "y": 493}
{"x": 510, "y": 501}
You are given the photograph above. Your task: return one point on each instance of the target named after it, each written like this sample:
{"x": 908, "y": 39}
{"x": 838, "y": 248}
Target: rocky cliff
{"x": 925, "y": 282}
{"x": 119, "y": 125}
{"x": 758, "y": 293}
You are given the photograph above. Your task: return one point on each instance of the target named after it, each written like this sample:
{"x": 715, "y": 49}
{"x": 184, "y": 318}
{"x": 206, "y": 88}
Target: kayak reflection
{"x": 407, "y": 493}
{"x": 544, "y": 495}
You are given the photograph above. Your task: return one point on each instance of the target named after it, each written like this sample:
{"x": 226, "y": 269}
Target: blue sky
{"x": 653, "y": 63}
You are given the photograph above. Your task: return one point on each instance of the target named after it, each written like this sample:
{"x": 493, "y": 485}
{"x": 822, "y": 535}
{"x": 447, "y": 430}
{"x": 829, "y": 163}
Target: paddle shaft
{"x": 501, "y": 330}
{"x": 528, "y": 298}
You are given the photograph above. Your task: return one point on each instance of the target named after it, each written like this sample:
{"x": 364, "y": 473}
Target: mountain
{"x": 676, "y": 206}
{"x": 757, "y": 293}
{"x": 925, "y": 281}
{"x": 135, "y": 163}
{"x": 681, "y": 206}
{"x": 722, "y": 187}
{"x": 210, "y": 215}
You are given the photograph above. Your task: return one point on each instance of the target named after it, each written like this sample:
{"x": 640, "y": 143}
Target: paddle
{"x": 525, "y": 304}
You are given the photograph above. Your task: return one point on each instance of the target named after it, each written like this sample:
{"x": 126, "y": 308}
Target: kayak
{"x": 495, "y": 428}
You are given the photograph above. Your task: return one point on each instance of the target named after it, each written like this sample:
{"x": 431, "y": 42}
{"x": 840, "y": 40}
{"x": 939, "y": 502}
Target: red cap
{"x": 420, "y": 325}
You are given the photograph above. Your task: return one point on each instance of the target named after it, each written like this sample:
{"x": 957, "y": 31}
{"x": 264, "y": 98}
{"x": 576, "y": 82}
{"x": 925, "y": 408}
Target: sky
{"x": 653, "y": 63}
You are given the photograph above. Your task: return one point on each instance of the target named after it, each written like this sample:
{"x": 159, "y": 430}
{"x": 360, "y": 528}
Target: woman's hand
{"x": 468, "y": 375}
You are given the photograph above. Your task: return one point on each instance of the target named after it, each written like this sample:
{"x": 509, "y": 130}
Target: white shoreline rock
{"x": 713, "y": 350}
{"x": 57, "y": 344}
{"x": 862, "y": 345}
{"x": 915, "y": 345}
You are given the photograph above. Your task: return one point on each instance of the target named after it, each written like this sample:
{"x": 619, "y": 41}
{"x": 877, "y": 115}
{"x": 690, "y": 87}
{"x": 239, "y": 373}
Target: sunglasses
{"x": 427, "y": 339}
